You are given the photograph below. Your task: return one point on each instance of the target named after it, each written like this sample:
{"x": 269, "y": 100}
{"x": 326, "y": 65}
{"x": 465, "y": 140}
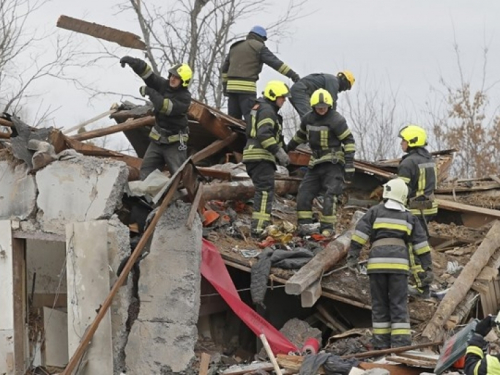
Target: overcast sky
{"x": 408, "y": 44}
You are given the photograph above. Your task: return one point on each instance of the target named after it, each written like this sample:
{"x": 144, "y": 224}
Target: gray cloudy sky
{"x": 407, "y": 44}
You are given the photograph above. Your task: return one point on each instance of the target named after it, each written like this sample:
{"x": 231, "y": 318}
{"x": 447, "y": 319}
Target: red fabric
{"x": 214, "y": 270}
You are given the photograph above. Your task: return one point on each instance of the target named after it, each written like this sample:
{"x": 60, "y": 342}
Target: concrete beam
{"x": 87, "y": 269}
{"x": 17, "y": 191}
{"x": 6, "y": 296}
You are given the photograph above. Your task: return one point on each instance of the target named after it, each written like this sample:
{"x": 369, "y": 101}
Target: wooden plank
{"x": 311, "y": 295}
{"x": 323, "y": 311}
{"x": 323, "y": 261}
{"x": 463, "y": 283}
{"x": 247, "y": 369}
{"x": 214, "y": 148}
{"x": 461, "y": 207}
{"x": 205, "y": 116}
{"x": 204, "y": 363}
{"x": 123, "y": 38}
{"x": 127, "y": 125}
{"x": 215, "y": 173}
{"x": 90, "y": 121}
{"x": 89, "y": 333}
{"x": 19, "y": 275}
{"x": 195, "y": 206}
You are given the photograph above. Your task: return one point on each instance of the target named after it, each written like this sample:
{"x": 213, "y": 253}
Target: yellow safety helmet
{"x": 397, "y": 190}
{"x": 276, "y": 89}
{"x": 321, "y": 98}
{"x": 184, "y": 72}
{"x": 348, "y": 75}
{"x": 414, "y": 135}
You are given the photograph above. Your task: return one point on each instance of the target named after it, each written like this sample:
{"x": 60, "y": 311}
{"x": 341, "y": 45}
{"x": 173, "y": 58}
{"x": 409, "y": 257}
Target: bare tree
{"x": 374, "y": 115}
{"x": 461, "y": 118}
{"x": 199, "y": 33}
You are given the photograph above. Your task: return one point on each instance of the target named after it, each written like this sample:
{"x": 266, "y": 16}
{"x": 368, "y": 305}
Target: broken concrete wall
{"x": 119, "y": 249}
{"x": 87, "y": 269}
{"x": 77, "y": 190}
{"x": 162, "y": 338}
{"x": 6, "y": 296}
{"x": 17, "y": 191}
{"x": 46, "y": 259}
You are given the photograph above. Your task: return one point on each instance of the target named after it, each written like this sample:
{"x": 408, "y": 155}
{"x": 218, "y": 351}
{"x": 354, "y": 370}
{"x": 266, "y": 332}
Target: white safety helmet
{"x": 396, "y": 190}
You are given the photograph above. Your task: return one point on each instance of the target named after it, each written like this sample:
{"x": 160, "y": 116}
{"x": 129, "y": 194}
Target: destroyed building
{"x": 67, "y": 224}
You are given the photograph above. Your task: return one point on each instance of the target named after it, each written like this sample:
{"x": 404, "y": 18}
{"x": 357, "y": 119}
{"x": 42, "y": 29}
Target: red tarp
{"x": 214, "y": 270}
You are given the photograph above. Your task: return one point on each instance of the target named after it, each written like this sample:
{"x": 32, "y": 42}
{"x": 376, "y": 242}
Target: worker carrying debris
{"x": 241, "y": 69}
{"x": 390, "y": 228}
{"x": 264, "y": 146}
{"x": 332, "y": 161}
{"x": 171, "y": 99}
{"x": 302, "y": 90}
{"x": 418, "y": 169}
{"x": 477, "y": 362}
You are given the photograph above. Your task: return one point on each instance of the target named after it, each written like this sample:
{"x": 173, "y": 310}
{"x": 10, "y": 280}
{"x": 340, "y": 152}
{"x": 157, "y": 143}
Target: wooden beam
{"x": 89, "y": 333}
{"x": 214, "y": 148}
{"x": 90, "y": 121}
{"x": 195, "y": 207}
{"x": 326, "y": 314}
{"x": 123, "y": 38}
{"x": 466, "y": 208}
{"x": 19, "y": 275}
{"x": 204, "y": 363}
{"x": 311, "y": 295}
{"x": 463, "y": 283}
{"x": 323, "y": 261}
{"x": 127, "y": 125}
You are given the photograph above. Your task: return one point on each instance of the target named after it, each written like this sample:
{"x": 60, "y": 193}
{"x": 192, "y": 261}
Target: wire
{"x": 241, "y": 290}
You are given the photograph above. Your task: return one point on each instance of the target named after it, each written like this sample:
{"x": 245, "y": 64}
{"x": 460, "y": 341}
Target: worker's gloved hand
{"x": 291, "y": 146}
{"x": 137, "y": 65}
{"x": 352, "y": 263}
{"x": 295, "y": 77}
{"x": 144, "y": 90}
{"x": 282, "y": 157}
{"x": 485, "y": 325}
{"x": 349, "y": 173}
{"x": 428, "y": 278}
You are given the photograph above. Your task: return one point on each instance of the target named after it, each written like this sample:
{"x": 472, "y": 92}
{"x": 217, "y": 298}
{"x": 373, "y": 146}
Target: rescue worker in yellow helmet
{"x": 171, "y": 99}
{"x": 390, "y": 228}
{"x": 477, "y": 361}
{"x": 332, "y": 161}
{"x": 418, "y": 169}
{"x": 264, "y": 148}
{"x": 241, "y": 69}
{"x": 301, "y": 91}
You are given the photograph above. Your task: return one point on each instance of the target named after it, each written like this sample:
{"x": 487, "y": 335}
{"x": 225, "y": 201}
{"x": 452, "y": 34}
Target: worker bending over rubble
{"x": 264, "y": 146}
{"x": 477, "y": 362}
{"x": 241, "y": 69}
{"x": 418, "y": 170}
{"x": 171, "y": 99}
{"x": 302, "y": 90}
{"x": 390, "y": 228}
{"x": 332, "y": 161}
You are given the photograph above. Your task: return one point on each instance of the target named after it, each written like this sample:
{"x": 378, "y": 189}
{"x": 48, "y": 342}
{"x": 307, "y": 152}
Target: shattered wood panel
{"x": 208, "y": 120}
{"x": 123, "y": 38}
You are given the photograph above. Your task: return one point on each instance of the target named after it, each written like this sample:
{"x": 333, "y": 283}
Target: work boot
{"x": 423, "y": 293}
{"x": 308, "y": 229}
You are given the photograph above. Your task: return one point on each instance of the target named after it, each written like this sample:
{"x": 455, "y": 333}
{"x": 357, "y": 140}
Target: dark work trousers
{"x": 417, "y": 271}
{"x": 160, "y": 154}
{"x": 327, "y": 177}
{"x": 390, "y": 319}
{"x": 300, "y": 98}
{"x": 262, "y": 175}
{"x": 240, "y": 105}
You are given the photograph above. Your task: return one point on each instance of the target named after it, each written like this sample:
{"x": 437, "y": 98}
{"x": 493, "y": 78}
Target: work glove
{"x": 291, "y": 146}
{"x": 137, "y": 65}
{"x": 428, "y": 278}
{"x": 295, "y": 77}
{"x": 144, "y": 90}
{"x": 485, "y": 325}
{"x": 352, "y": 263}
{"x": 282, "y": 157}
{"x": 349, "y": 173}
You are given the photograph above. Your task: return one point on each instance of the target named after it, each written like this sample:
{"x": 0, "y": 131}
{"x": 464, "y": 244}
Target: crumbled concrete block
{"x": 17, "y": 191}
{"x": 79, "y": 189}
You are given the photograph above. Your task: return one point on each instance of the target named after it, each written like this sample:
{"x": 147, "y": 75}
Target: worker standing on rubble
{"x": 301, "y": 91}
{"x": 390, "y": 228}
{"x": 171, "y": 99}
{"x": 332, "y": 161}
{"x": 477, "y": 362}
{"x": 241, "y": 70}
{"x": 418, "y": 170}
{"x": 264, "y": 146}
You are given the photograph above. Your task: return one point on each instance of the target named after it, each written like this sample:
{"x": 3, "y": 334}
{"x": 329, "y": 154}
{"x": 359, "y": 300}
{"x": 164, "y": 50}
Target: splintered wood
{"x": 123, "y": 38}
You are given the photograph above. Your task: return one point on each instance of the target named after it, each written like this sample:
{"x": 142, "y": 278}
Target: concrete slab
{"x": 17, "y": 191}
{"x": 77, "y": 190}
{"x": 55, "y": 325}
{"x": 7, "y": 351}
{"x": 6, "y": 277}
{"x": 87, "y": 269}
{"x": 162, "y": 338}
{"x": 47, "y": 260}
